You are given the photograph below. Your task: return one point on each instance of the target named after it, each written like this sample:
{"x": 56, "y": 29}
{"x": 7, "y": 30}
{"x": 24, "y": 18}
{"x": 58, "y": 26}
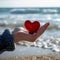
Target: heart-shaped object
{"x": 32, "y": 27}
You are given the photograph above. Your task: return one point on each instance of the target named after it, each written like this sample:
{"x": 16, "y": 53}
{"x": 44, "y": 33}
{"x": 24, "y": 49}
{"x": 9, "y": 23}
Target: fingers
{"x": 20, "y": 29}
{"x": 15, "y": 30}
{"x": 41, "y": 30}
{"x": 20, "y": 36}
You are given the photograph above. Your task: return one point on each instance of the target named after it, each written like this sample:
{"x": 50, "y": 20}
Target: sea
{"x": 15, "y": 17}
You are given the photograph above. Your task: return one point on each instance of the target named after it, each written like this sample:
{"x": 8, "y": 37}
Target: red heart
{"x": 32, "y": 27}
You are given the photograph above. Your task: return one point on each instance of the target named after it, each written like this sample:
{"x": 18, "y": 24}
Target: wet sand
{"x": 37, "y": 57}
{"x": 30, "y": 53}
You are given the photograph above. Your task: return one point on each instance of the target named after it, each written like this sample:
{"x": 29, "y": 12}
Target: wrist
{"x": 14, "y": 38}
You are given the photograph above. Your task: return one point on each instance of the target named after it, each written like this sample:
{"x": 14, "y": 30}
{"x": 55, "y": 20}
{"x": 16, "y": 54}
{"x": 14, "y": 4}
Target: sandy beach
{"x": 30, "y": 53}
{"x": 36, "y": 57}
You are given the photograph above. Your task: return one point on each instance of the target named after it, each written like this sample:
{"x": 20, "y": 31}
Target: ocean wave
{"x": 25, "y": 11}
{"x": 30, "y": 10}
{"x": 35, "y": 11}
{"x": 52, "y": 43}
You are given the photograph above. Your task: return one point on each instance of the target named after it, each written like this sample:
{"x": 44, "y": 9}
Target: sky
{"x": 29, "y": 3}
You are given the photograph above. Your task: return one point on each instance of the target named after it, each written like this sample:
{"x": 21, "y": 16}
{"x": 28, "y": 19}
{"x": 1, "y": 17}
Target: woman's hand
{"x": 23, "y": 34}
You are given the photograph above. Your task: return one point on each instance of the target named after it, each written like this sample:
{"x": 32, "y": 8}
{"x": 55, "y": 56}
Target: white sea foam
{"x": 52, "y": 44}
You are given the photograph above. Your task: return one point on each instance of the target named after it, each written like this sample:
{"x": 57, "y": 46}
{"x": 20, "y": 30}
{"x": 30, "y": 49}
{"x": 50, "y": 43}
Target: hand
{"x": 24, "y": 35}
